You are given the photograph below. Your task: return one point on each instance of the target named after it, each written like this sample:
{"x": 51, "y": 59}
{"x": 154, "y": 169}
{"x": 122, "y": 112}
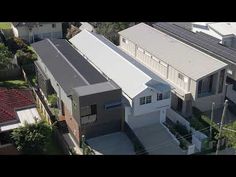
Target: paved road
{"x": 157, "y": 141}
{"x": 112, "y": 144}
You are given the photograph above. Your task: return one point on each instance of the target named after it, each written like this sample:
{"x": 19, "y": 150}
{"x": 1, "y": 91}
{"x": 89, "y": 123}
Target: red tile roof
{"x": 12, "y": 99}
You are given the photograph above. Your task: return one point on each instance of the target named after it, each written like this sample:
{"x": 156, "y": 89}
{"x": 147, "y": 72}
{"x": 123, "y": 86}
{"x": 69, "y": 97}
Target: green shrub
{"x": 52, "y": 100}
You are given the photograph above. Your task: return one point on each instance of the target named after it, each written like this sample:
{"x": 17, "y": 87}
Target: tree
{"x": 6, "y": 57}
{"x": 32, "y": 138}
{"x": 230, "y": 135}
{"x": 110, "y": 30}
{"x": 25, "y": 56}
{"x": 15, "y": 44}
{"x": 52, "y": 100}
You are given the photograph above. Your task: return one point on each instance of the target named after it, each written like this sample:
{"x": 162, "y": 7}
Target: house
{"x": 198, "y": 79}
{"x": 146, "y": 99}
{"x": 211, "y": 46}
{"x": 88, "y": 102}
{"x": 35, "y": 31}
{"x": 87, "y": 26}
{"x": 17, "y": 106}
{"x": 142, "y": 94}
{"x": 224, "y": 31}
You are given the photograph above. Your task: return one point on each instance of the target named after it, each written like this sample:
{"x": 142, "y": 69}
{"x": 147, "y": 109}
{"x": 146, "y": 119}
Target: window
{"x": 142, "y": 101}
{"x": 180, "y": 76}
{"x": 112, "y": 105}
{"x": 125, "y": 40}
{"x": 53, "y": 25}
{"x": 88, "y": 110}
{"x": 159, "y": 96}
{"x": 148, "y": 99}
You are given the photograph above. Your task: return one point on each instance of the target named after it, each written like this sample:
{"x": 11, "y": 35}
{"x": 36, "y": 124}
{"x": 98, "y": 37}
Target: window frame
{"x": 148, "y": 99}
{"x": 142, "y": 100}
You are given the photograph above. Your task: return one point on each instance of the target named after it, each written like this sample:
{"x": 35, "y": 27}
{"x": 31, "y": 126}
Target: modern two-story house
{"x": 198, "y": 79}
{"x": 209, "y": 45}
{"x": 146, "y": 99}
{"x": 88, "y": 102}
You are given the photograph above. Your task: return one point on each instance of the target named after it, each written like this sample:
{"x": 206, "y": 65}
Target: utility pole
{"x": 83, "y": 144}
{"x": 212, "y": 115}
{"x": 221, "y": 126}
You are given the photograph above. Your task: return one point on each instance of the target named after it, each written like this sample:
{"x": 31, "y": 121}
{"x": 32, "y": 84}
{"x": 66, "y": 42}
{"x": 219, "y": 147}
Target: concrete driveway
{"x": 112, "y": 144}
{"x": 157, "y": 141}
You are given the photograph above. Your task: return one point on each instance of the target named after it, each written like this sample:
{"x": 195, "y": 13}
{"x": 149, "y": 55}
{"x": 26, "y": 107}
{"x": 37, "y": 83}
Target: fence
{"x": 47, "y": 114}
{"x": 138, "y": 146}
{"x": 174, "y": 117}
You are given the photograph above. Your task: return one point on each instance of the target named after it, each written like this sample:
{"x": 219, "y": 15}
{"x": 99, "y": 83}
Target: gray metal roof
{"x": 63, "y": 62}
{"x": 174, "y": 52}
{"x": 198, "y": 41}
{"x": 95, "y": 88}
{"x": 79, "y": 62}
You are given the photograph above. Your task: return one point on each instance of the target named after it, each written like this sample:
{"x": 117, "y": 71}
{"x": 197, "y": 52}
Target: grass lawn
{"x": 53, "y": 148}
{"x": 5, "y": 25}
{"x": 14, "y": 84}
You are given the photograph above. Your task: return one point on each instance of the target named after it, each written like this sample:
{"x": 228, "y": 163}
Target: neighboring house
{"x": 35, "y": 31}
{"x": 209, "y": 45}
{"x": 7, "y": 29}
{"x": 87, "y": 26}
{"x": 88, "y": 102}
{"x": 145, "y": 99}
{"x": 224, "y": 31}
{"x": 198, "y": 79}
{"x": 17, "y": 106}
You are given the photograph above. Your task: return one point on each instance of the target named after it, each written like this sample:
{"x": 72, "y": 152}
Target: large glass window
{"x": 88, "y": 110}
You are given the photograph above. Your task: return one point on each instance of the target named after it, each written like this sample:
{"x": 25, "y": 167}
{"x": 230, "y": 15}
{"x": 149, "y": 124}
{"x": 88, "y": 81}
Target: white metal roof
{"x": 224, "y": 28}
{"x": 110, "y": 60}
{"x": 179, "y": 55}
{"x": 27, "y": 115}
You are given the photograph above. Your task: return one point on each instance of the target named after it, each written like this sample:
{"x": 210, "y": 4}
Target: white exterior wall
{"x": 153, "y": 106}
{"x": 173, "y": 77}
{"x": 129, "y": 46}
{"x": 141, "y": 115}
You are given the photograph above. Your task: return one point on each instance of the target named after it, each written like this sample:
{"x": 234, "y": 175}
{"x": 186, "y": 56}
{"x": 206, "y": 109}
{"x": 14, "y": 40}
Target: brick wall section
{"x": 72, "y": 124}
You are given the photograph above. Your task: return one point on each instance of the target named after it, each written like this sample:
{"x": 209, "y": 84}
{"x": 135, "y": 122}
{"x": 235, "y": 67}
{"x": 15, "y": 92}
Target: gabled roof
{"x": 111, "y": 61}
{"x": 172, "y": 51}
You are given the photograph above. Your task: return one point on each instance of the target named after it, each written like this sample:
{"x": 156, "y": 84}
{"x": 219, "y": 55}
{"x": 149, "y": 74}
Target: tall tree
{"x": 110, "y": 29}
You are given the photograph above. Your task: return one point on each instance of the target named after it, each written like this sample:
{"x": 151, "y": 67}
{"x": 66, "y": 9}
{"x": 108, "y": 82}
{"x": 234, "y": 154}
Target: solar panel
{"x": 199, "y": 41}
